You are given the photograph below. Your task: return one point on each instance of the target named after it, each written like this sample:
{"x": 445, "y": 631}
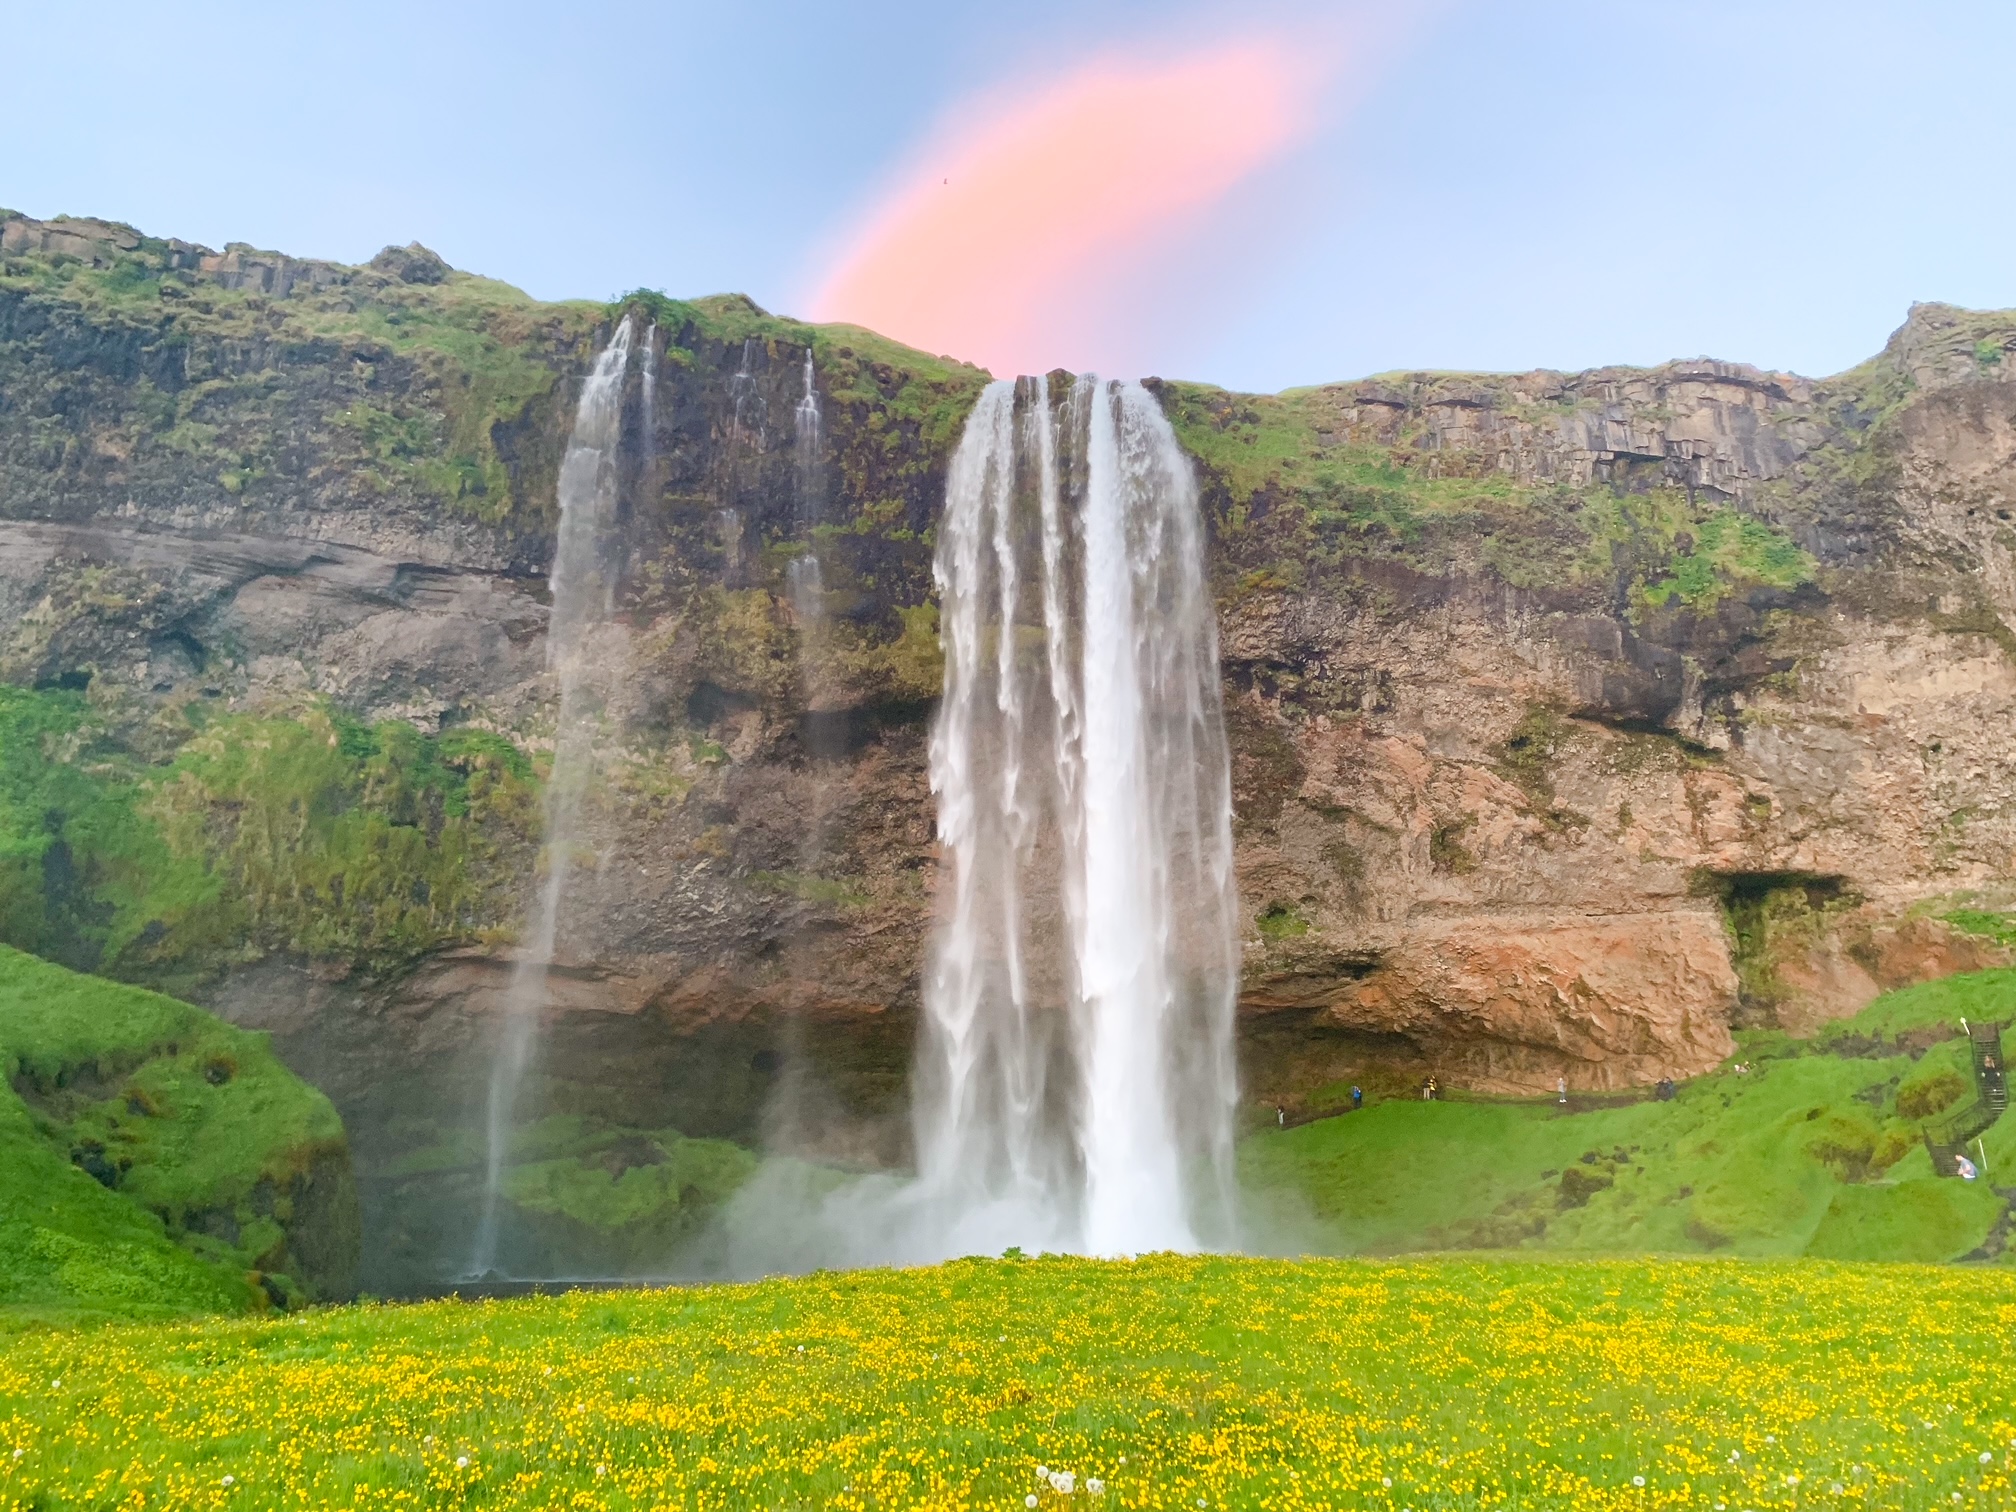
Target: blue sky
{"x": 1514, "y": 184}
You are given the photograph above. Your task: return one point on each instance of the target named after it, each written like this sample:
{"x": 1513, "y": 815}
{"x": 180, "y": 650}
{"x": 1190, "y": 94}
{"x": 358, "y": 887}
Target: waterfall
{"x": 650, "y": 437}
{"x": 1075, "y": 1086}
{"x": 808, "y": 589}
{"x": 806, "y": 435}
{"x": 583, "y": 592}
{"x": 746, "y": 407}
{"x": 1076, "y": 1083}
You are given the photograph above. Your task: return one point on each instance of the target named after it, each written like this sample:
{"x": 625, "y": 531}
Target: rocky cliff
{"x": 1576, "y": 717}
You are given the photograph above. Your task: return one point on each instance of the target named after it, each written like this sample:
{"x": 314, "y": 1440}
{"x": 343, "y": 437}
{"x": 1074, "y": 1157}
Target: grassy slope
{"x": 198, "y": 1130}
{"x": 1177, "y": 1382}
{"x": 1810, "y": 1153}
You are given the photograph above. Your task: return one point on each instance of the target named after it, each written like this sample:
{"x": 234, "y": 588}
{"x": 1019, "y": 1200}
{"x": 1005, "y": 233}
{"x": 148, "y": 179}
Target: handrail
{"x": 1947, "y": 1139}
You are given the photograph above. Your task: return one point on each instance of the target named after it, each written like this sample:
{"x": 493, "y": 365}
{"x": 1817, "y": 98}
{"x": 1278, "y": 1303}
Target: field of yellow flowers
{"x": 1051, "y": 1383}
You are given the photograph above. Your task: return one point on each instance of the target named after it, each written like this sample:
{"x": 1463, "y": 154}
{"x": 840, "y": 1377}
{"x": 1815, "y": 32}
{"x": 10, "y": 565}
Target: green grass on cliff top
{"x": 1297, "y": 500}
{"x": 489, "y": 353}
{"x": 1816, "y": 1151}
{"x": 190, "y": 1126}
{"x": 1174, "y": 1382}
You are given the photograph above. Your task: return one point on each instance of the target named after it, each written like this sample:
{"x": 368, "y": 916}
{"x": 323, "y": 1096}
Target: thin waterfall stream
{"x": 797, "y": 1116}
{"x": 583, "y": 589}
{"x": 808, "y": 599}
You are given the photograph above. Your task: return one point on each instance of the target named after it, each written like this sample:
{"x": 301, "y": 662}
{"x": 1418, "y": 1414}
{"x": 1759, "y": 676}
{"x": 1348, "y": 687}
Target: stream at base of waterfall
{"x": 1075, "y": 1084}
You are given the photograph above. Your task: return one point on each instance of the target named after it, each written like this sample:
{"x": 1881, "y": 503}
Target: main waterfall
{"x": 1075, "y": 1082}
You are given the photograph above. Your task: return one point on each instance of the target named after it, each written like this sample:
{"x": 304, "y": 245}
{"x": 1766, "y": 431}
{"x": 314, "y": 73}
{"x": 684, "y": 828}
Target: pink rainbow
{"x": 1044, "y": 197}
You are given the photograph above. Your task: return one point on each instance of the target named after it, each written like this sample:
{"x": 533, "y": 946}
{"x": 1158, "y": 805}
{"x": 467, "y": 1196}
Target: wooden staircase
{"x": 1947, "y": 1139}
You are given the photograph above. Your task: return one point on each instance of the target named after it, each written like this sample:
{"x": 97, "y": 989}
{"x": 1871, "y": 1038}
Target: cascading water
{"x": 1080, "y": 754}
{"x": 807, "y": 432}
{"x": 649, "y": 439}
{"x": 1075, "y": 1082}
{"x": 808, "y": 597}
{"x": 747, "y": 425}
{"x": 583, "y": 590}
{"x": 798, "y": 1115}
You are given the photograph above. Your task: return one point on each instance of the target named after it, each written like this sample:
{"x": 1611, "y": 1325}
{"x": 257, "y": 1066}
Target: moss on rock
{"x": 154, "y": 1159}
{"x": 301, "y": 831}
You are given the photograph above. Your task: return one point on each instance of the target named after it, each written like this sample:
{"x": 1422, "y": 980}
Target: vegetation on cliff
{"x": 1167, "y": 1382}
{"x": 155, "y": 1160}
{"x": 585, "y": 1195}
{"x": 1300, "y": 500}
{"x": 256, "y": 374}
{"x": 299, "y": 830}
{"x": 1814, "y": 1150}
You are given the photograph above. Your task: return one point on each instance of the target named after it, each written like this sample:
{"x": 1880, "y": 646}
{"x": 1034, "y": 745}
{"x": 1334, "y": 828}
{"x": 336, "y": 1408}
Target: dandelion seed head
{"x": 229, "y": 1480}
{"x": 1637, "y": 1480}
{"x": 461, "y": 1462}
{"x": 1029, "y": 1500}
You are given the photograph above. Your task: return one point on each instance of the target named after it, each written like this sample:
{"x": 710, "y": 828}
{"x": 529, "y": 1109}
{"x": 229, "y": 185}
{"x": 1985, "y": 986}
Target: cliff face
{"x": 1575, "y": 717}
{"x": 1650, "y": 702}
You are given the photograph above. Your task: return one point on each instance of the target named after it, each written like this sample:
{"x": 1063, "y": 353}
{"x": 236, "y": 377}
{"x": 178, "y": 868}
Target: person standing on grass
{"x": 1561, "y": 1087}
{"x": 1357, "y": 1099}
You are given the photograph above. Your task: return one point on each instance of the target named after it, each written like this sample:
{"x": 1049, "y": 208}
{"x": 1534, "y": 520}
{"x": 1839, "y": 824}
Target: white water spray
{"x": 808, "y": 588}
{"x": 806, "y": 435}
{"x": 1092, "y": 770}
{"x": 583, "y": 592}
{"x": 650, "y": 437}
{"x": 1075, "y": 1083}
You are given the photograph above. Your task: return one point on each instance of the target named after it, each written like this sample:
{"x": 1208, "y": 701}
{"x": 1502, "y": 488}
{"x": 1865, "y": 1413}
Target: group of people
{"x": 1665, "y": 1090}
{"x": 1357, "y": 1102}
